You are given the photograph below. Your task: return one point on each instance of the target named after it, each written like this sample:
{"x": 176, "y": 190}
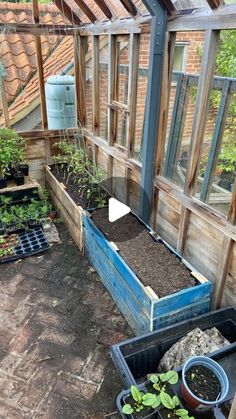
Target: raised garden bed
{"x": 70, "y": 213}
{"x": 138, "y": 302}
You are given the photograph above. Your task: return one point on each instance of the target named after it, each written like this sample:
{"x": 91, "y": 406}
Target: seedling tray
{"x": 21, "y": 196}
{"x": 137, "y": 357}
{"x": 30, "y": 243}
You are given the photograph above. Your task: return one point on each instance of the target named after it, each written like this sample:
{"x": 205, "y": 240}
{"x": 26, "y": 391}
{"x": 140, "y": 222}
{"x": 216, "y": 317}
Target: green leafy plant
{"x": 140, "y": 401}
{"x": 171, "y": 403}
{"x": 75, "y": 165}
{"x": 160, "y": 381}
{"x": 12, "y": 147}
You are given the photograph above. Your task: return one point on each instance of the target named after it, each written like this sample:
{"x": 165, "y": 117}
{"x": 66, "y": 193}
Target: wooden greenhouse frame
{"x": 174, "y": 213}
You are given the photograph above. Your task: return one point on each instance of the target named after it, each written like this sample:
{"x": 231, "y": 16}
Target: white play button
{"x": 117, "y": 210}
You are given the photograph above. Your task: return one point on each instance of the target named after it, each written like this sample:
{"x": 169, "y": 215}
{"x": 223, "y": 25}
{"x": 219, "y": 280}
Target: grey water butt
{"x": 60, "y": 100}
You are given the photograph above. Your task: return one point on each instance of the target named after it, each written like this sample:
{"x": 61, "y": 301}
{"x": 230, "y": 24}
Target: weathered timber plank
{"x": 59, "y": 190}
{"x": 204, "y": 19}
{"x": 123, "y": 295}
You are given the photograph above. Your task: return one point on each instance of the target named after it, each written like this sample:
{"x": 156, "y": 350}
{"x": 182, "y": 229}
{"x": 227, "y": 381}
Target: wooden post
{"x": 132, "y": 91}
{"x": 80, "y": 78}
{"x": 200, "y": 113}
{"x": 111, "y": 96}
{"x": 225, "y": 258}
{"x": 216, "y": 141}
{"x": 132, "y": 104}
{"x": 40, "y": 66}
{"x": 95, "y": 84}
{"x": 4, "y": 103}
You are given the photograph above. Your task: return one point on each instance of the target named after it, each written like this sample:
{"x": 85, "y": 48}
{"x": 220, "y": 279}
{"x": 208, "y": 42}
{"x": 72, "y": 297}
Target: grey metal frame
{"x": 158, "y": 30}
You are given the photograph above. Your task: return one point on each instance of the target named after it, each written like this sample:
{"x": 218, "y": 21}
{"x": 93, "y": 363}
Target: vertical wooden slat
{"x": 232, "y": 208}
{"x": 165, "y": 97}
{"x": 40, "y": 67}
{"x": 202, "y": 101}
{"x": 95, "y": 93}
{"x": 222, "y": 271}
{"x": 111, "y": 87}
{"x": 4, "y": 103}
{"x": 134, "y": 44}
{"x": 216, "y": 141}
{"x": 111, "y": 96}
{"x": 80, "y": 78}
{"x": 226, "y": 255}
{"x": 95, "y": 83}
{"x": 163, "y": 115}
{"x": 132, "y": 91}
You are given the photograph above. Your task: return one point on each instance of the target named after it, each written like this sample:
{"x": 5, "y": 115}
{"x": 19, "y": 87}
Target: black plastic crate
{"x": 137, "y": 357}
{"x": 226, "y": 357}
{"x": 21, "y": 196}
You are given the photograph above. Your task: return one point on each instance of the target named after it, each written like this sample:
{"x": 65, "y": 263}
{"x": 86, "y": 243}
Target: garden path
{"x": 57, "y": 323}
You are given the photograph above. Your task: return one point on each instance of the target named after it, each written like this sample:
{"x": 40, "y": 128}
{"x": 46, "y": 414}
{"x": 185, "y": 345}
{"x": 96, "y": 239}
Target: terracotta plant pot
{"x": 194, "y": 403}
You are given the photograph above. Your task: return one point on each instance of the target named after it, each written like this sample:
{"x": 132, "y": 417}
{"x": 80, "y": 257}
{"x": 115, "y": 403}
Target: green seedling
{"x": 141, "y": 401}
{"x": 160, "y": 380}
{"x": 171, "y": 403}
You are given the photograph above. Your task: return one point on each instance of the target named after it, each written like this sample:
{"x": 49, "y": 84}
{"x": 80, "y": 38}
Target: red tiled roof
{"x": 17, "y": 51}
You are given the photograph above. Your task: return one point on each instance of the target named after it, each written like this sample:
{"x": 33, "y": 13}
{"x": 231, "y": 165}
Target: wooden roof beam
{"x": 105, "y": 9}
{"x": 86, "y": 10}
{"x": 67, "y": 11}
{"x": 130, "y": 7}
{"x": 215, "y": 3}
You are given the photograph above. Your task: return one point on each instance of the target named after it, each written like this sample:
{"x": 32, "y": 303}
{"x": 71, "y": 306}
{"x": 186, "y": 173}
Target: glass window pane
{"x": 141, "y": 94}
{"x": 182, "y": 106}
{"x": 217, "y": 167}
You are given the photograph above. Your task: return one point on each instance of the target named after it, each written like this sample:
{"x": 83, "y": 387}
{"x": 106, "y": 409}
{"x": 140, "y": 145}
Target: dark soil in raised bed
{"x": 72, "y": 189}
{"x": 203, "y": 383}
{"x": 152, "y": 262}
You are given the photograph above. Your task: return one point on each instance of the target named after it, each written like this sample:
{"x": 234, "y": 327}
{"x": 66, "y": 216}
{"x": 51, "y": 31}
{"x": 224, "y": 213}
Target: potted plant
{"x": 139, "y": 404}
{"x": 204, "y": 384}
{"x": 12, "y": 159}
{"x": 172, "y": 408}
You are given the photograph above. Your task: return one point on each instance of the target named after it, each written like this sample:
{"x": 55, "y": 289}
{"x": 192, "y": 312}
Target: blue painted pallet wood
{"x": 118, "y": 261}
{"x": 181, "y": 299}
{"x": 143, "y": 312}
{"x": 123, "y": 295}
{"x": 192, "y": 310}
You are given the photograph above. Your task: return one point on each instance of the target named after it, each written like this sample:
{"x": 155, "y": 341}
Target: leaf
{"x": 172, "y": 377}
{"x": 157, "y": 402}
{"x": 127, "y": 409}
{"x": 156, "y": 386}
{"x": 175, "y": 401}
{"x": 181, "y": 412}
{"x": 136, "y": 394}
{"x": 149, "y": 399}
{"x": 166, "y": 400}
{"x": 163, "y": 377}
{"x": 154, "y": 378}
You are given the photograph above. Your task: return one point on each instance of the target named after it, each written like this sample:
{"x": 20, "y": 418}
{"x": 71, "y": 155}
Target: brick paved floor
{"x": 57, "y": 322}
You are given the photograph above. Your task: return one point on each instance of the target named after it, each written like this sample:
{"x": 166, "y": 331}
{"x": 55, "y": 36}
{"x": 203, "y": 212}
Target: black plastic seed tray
{"x": 139, "y": 356}
{"x": 21, "y": 196}
{"x": 30, "y": 243}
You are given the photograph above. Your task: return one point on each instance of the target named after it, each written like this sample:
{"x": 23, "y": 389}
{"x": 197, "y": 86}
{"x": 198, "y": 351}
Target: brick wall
{"x": 194, "y": 43}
